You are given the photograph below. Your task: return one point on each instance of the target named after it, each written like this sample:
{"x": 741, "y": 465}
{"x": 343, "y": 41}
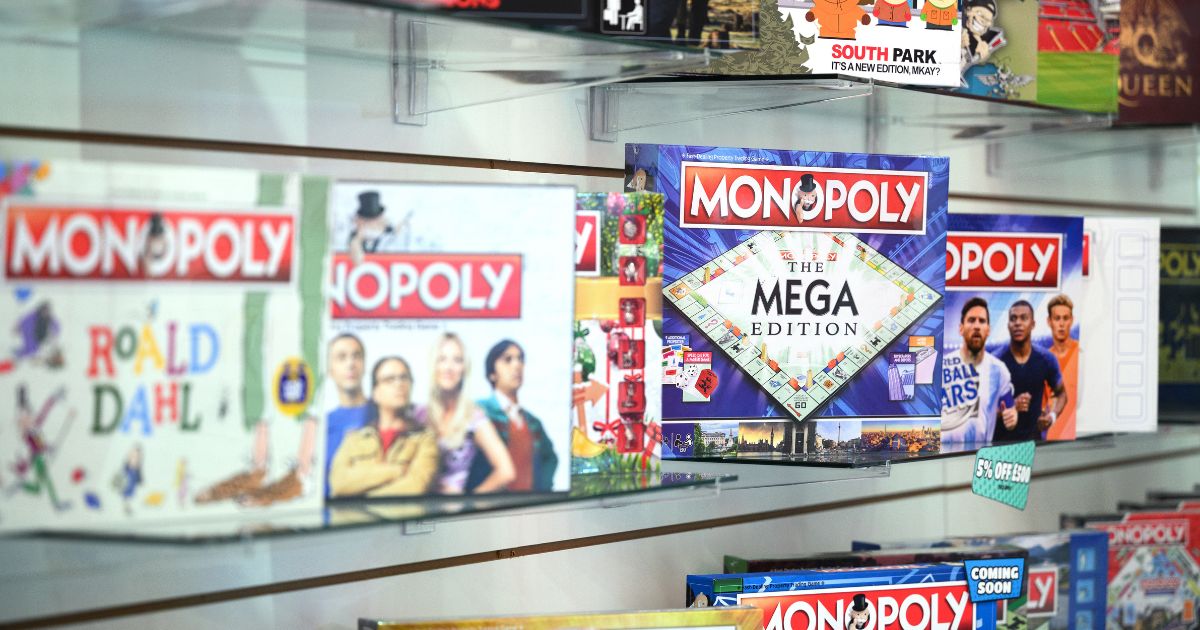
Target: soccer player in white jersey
{"x": 976, "y": 386}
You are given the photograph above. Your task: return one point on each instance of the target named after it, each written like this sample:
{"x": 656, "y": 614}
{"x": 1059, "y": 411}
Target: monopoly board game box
{"x": 618, "y": 322}
{"x": 1012, "y": 354}
{"x": 455, "y": 342}
{"x": 1153, "y": 568}
{"x": 999, "y": 49}
{"x": 1179, "y": 324}
{"x": 723, "y": 618}
{"x": 1010, "y": 612}
{"x": 798, "y": 284}
{"x": 161, "y": 343}
{"x": 1066, "y": 574}
{"x": 916, "y": 597}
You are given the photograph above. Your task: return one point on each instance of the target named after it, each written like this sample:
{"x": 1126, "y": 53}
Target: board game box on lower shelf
{"x": 798, "y": 286}
{"x": 915, "y": 597}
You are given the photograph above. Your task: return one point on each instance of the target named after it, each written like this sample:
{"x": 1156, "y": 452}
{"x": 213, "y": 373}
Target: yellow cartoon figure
{"x": 837, "y": 18}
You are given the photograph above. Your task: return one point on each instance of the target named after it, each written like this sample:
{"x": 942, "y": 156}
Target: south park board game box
{"x": 722, "y": 618}
{"x": 897, "y": 41}
{"x": 913, "y": 597}
{"x": 1066, "y": 572}
{"x": 1153, "y": 569}
{"x": 618, "y": 322}
{"x": 162, "y": 346}
{"x": 1012, "y": 287}
{"x": 798, "y": 284}
{"x": 1179, "y": 324}
{"x": 451, "y": 307}
{"x": 1010, "y": 613}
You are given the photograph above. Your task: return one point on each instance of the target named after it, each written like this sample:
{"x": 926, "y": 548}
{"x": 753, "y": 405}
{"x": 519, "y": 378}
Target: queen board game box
{"x": 1010, "y": 613}
{"x": 618, "y": 323}
{"x": 1066, "y": 574}
{"x": 1179, "y": 324}
{"x": 1158, "y": 66}
{"x": 720, "y": 25}
{"x": 1118, "y": 389}
{"x": 723, "y": 618}
{"x": 143, "y": 379}
{"x": 1011, "y": 365}
{"x": 999, "y": 49}
{"x": 1153, "y": 568}
{"x": 798, "y": 285}
{"x": 446, "y": 304}
{"x": 912, "y": 597}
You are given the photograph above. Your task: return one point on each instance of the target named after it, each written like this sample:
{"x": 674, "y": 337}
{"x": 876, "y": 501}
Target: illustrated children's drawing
{"x": 837, "y": 19}
{"x": 130, "y": 476}
{"x": 892, "y": 13}
{"x": 34, "y": 470}
{"x": 183, "y": 479}
{"x": 37, "y": 333}
{"x": 940, "y": 15}
{"x": 248, "y": 487}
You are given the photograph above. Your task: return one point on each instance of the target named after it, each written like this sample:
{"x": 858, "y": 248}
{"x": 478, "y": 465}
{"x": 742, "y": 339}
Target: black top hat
{"x": 807, "y": 184}
{"x": 860, "y": 603}
{"x": 156, "y": 225}
{"x": 368, "y": 205}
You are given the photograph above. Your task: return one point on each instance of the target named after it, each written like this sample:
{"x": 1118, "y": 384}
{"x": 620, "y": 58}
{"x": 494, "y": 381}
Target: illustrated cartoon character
{"x": 893, "y": 13}
{"x": 940, "y": 15}
{"x": 804, "y": 198}
{"x": 38, "y": 332}
{"x": 838, "y": 18}
{"x": 978, "y": 34}
{"x": 130, "y": 476}
{"x": 859, "y": 615}
{"x": 30, "y": 425}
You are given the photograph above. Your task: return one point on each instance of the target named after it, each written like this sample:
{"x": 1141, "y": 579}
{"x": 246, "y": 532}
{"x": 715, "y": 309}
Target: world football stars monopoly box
{"x": 911, "y": 597}
{"x": 464, "y": 374}
{"x": 162, "y": 343}
{"x": 797, "y": 283}
{"x": 1066, "y": 573}
{"x": 1013, "y": 284}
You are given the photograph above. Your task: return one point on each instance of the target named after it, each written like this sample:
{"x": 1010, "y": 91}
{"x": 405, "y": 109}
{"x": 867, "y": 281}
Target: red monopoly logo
{"x": 930, "y": 606}
{"x": 990, "y": 260}
{"x": 587, "y": 243}
{"x": 1135, "y": 533}
{"x": 1043, "y": 591}
{"x": 750, "y": 196}
{"x": 427, "y": 286}
{"x": 46, "y": 242}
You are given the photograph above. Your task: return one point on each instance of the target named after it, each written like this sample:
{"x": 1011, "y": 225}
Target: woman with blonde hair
{"x": 463, "y": 432}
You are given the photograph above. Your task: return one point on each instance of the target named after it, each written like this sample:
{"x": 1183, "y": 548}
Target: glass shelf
{"x": 414, "y": 515}
{"x": 439, "y": 61}
{"x": 870, "y": 461}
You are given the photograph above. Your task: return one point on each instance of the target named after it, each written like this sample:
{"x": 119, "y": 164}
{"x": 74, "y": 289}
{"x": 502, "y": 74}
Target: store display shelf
{"x": 414, "y": 515}
{"x": 440, "y": 61}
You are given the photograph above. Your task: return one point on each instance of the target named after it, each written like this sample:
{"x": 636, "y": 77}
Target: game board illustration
{"x": 802, "y": 364}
